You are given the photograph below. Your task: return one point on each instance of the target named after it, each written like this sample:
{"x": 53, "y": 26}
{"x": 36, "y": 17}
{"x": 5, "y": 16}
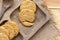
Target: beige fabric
{"x": 0, "y": 7}
{"x": 4, "y": 5}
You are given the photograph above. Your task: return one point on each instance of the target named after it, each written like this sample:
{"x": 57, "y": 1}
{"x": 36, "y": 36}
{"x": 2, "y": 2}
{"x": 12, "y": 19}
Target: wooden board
{"x": 53, "y": 3}
{"x": 55, "y": 13}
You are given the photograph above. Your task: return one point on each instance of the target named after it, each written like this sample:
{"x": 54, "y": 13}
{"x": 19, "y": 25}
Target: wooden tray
{"x": 42, "y": 17}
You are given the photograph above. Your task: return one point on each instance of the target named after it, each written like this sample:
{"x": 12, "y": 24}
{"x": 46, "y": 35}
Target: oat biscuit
{"x": 3, "y": 37}
{"x": 15, "y": 26}
{"x": 27, "y": 24}
{"x": 28, "y": 4}
{"x": 3, "y": 30}
{"x": 29, "y": 0}
{"x": 26, "y": 15}
{"x": 10, "y": 29}
{"x": 20, "y": 17}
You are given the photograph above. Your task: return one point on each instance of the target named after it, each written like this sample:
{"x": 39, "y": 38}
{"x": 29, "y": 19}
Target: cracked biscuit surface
{"x": 3, "y": 30}
{"x": 3, "y": 36}
{"x": 10, "y": 29}
{"x": 15, "y": 26}
{"x": 28, "y": 4}
{"x": 26, "y": 15}
{"x": 27, "y": 24}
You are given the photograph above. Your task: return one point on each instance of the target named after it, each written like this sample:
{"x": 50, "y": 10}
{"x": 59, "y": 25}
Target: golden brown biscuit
{"x": 27, "y": 24}
{"x": 29, "y": 0}
{"x": 15, "y": 26}
{"x": 3, "y": 36}
{"x": 26, "y": 15}
{"x": 10, "y": 29}
{"x": 20, "y": 17}
{"x": 3, "y": 30}
{"x": 28, "y": 4}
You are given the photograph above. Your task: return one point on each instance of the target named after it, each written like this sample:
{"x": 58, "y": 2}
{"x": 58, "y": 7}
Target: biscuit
{"x": 27, "y": 24}
{"x": 28, "y": 4}
{"x": 3, "y": 36}
{"x": 10, "y": 29}
{"x": 15, "y": 26}
{"x": 20, "y": 17}
{"x": 26, "y": 15}
{"x": 29, "y": 0}
{"x": 3, "y": 30}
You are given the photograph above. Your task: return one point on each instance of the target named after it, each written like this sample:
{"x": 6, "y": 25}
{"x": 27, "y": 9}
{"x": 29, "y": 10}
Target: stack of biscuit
{"x": 9, "y": 30}
{"x": 27, "y": 12}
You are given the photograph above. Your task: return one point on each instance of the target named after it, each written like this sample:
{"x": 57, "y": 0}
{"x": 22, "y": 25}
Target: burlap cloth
{"x": 47, "y": 32}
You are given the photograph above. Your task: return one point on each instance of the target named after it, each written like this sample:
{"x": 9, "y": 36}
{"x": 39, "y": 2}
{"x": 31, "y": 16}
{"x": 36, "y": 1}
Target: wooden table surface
{"x": 54, "y": 8}
{"x": 53, "y": 3}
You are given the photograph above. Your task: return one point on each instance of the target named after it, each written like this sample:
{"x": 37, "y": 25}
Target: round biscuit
{"x": 10, "y": 29}
{"x": 28, "y": 4}
{"x": 29, "y": 0}
{"x": 3, "y": 30}
{"x": 27, "y": 24}
{"x": 27, "y": 15}
{"x": 3, "y": 36}
{"x": 20, "y": 17}
{"x": 15, "y": 26}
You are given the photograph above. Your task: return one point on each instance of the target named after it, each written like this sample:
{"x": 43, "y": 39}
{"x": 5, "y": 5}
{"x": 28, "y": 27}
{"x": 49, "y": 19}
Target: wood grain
{"x": 55, "y": 13}
{"x": 53, "y": 3}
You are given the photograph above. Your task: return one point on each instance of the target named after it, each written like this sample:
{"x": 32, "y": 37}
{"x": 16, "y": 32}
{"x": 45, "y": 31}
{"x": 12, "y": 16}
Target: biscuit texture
{"x": 28, "y": 24}
{"x": 26, "y": 15}
{"x": 15, "y": 26}
{"x": 3, "y": 30}
{"x": 3, "y": 37}
{"x": 28, "y": 4}
{"x": 29, "y": 0}
{"x": 10, "y": 29}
